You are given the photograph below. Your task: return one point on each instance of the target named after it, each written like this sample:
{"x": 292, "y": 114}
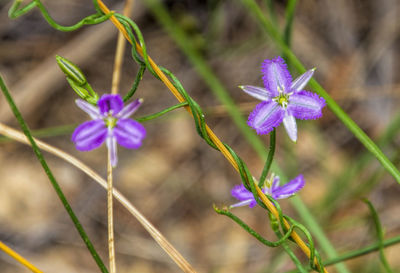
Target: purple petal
{"x": 289, "y": 188}
{"x": 110, "y": 102}
{"x": 257, "y": 92}
{"x": 253, "y": 203}
{"x": 89, "y": 135}
{"x": 276, "y": 76}
{"x": 241, "y": 193}
{"x": 275, "y": 183}
{"x": 299, "y": 83}
{"x": 290, "y": 125}
{"x": 305, "y": 105}
{"x": 131, "y": 108}
{"x": 91, "y": 110}
{"x": 112, "y": 149}
{"x": 266, "y": 116}
{"x": 129, "y": 133}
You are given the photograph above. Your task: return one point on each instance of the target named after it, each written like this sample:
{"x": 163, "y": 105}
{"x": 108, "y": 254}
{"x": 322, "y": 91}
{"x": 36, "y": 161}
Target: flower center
{"x": 282, "y": 99}
{"x": 110, "y": 121}
{"x": 268, "y": 182}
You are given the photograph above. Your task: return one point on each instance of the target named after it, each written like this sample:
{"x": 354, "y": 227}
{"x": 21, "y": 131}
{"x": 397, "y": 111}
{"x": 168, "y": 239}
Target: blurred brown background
{"x": 175, "y": 177}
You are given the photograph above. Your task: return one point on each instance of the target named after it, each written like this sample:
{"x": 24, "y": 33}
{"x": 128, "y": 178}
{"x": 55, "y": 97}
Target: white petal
{"x": 299, "y": 83}
{"x": 291, "y": 127}
{"x": 129, "y": 109}
{"x": 112, "y": 149}
{"x": 275, "y": 183}
{"x": 91, "y": 110}
{"x": 257, "y": 92}
{"x": 242, "y": 203}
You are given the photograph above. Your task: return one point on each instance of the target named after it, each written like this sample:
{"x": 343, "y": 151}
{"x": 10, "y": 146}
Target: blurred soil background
{"x": 175, "y": 178}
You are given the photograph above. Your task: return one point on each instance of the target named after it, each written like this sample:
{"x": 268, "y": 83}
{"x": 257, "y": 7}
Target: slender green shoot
{"x": 358, "y": 253}
{"x": 135, "y": 85}
{"x": 275, "y": 227}
{"x": 251, "y": 231}
{"x": 289, "y": 18}
{"x": 379, "y": 232}
{"x": 15, "y": 11}
{"x": 163, "y": 112}
{"x": 339, "y": 188}
{"x": 268, "y": 162}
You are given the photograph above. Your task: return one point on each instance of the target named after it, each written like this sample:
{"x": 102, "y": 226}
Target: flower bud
{"x": 83, "y": 92}
{"x": 71, "y": 70}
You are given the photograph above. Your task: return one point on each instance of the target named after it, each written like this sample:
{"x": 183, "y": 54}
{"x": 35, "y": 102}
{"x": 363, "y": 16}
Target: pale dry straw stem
{"x": 213, "y": 137}
{"x": 110, "y": 217}
{"x": 155, "y": 233}
{"x": 119, "y": 52}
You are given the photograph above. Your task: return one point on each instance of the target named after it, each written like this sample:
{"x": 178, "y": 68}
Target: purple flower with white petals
{"x": 271, "y": 188}
{"x": 110, "y": 123}
{"x": 283, "y": 100}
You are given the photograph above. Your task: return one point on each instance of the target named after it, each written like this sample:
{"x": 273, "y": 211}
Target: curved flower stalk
{"x": 283, "y": 100}
{"x": 271, "y": 188}
{"x": 110, "y": 124}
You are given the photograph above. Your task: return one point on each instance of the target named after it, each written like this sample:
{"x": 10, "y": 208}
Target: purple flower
{"x": 283, "y": 100}
{"x": 271, "y": 188}
{"x": 110, "y": 124}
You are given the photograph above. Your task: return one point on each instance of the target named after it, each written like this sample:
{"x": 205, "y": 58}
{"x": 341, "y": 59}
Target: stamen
{"x": 110, "y": 122}
{"x": 282, "y": 99}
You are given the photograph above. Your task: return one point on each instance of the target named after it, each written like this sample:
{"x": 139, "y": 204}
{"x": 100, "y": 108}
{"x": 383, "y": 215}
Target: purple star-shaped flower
{"x": 110, "y": 124}
{"x": 283, "y": 100}
{"x": 271, "y": 188}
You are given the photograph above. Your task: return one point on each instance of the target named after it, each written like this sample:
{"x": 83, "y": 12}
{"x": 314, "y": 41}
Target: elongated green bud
{"x": 71, "y": 70}
{"x": 83, "y": 92}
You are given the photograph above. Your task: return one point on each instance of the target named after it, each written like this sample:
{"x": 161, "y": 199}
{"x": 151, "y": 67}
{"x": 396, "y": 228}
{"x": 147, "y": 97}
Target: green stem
{"x": 271, "y": 10}
{"x": 339, "y": 188}
{"x": 316, "y": 229}
{"x": 135, "y": 85}
{"x": 358, "y": 253}
{"x": 158, "y": 114}
{"x": 93, "y": 19}
{"x": 363, "y": 251}
{"x": 289, "y": 17}
{"x": 379, "y": 232}
{"x": 252, "y": 231}
{"x": 51, "y": 177}
{"x": 275, "y": 227}
{"x": 255, "y": 10}
{"x": 268, "y": 162}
